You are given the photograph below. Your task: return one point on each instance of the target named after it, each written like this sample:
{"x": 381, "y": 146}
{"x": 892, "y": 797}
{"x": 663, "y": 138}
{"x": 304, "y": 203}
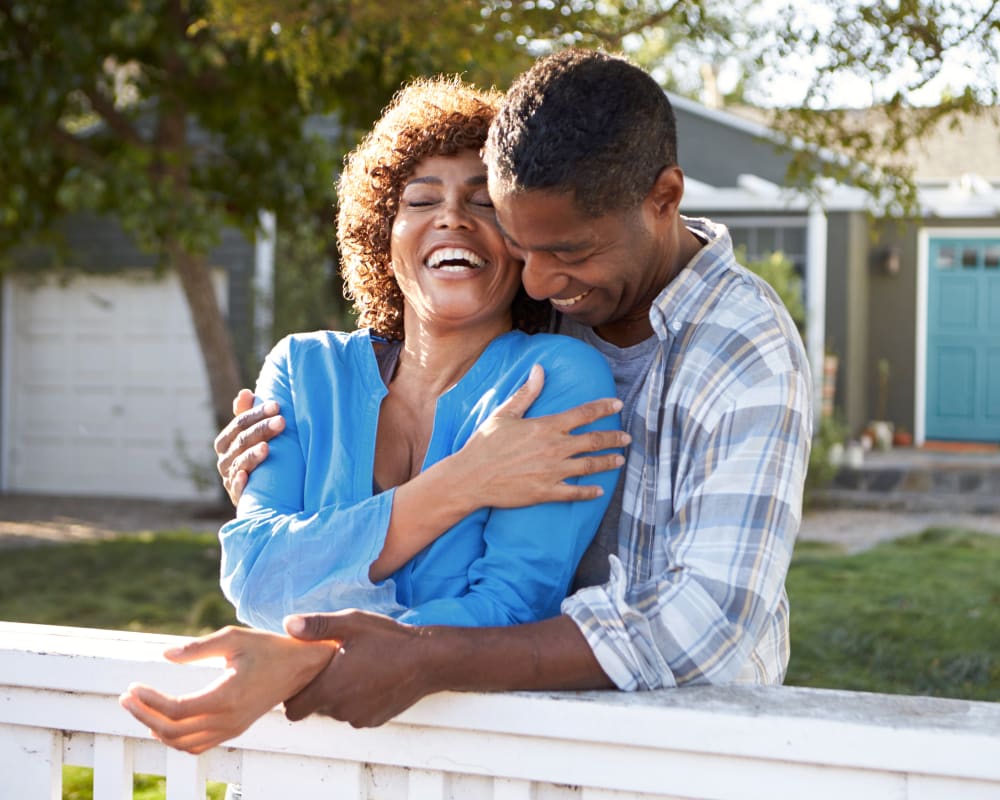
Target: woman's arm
{"x": 262, "y": 670}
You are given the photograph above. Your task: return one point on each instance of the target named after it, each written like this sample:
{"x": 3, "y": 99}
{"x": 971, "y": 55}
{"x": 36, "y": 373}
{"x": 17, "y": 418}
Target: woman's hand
{"x": 262, "y": 670}
{"x": 512, "y": 462}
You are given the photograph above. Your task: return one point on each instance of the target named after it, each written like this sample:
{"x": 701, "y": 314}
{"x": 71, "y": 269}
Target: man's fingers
{"x": 317, "y": 627}
{"x": 517, "y": 405}
{"x": 239, "y": 425}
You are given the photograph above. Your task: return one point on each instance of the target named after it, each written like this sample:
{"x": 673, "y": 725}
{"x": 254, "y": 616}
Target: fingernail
{"x": 275, "y": 424}
{"x": 271, "y": 407}
{"x": 617, "y": 404}
{"x": 295, "y": 625}
{"x": 172, "y": 652}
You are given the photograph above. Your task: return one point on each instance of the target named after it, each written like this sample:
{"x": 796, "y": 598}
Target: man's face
{"x": 601, "y": 271}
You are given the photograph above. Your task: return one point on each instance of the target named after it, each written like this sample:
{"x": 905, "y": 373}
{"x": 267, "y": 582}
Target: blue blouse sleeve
{"x": 278, "y": 559}
{"x": 532, "y": 553}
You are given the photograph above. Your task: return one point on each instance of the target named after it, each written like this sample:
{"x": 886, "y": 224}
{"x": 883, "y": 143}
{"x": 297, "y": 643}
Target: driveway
{"x": 27, "y": 520}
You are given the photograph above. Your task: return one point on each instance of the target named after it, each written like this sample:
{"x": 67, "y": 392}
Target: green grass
{"x": 168, "y": 583}
{"x": 917, "y": 616}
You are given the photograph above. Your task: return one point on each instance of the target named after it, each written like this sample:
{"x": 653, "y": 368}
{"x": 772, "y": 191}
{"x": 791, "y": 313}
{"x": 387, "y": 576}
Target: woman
{"x": 362, "y": 501}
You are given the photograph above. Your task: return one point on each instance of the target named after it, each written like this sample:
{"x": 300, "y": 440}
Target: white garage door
{"x": 104, "y": 389}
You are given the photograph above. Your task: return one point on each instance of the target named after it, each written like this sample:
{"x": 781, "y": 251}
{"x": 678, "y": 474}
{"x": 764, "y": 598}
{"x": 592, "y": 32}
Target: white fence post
{"x": 30, "y": 763}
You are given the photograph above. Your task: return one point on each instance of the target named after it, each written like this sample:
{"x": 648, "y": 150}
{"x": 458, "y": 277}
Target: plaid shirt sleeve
{"x": 712, "y": 503}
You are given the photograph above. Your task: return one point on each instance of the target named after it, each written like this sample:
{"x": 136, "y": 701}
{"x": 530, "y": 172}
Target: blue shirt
{"x": 308, "y": 525}
{"x": 712, "y": 488}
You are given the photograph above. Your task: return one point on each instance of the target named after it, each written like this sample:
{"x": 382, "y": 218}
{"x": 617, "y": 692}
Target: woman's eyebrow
{"x": 474, "y": 180}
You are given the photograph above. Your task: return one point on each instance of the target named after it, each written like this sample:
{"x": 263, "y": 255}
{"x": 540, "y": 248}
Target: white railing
{"x": 58, "y": 706}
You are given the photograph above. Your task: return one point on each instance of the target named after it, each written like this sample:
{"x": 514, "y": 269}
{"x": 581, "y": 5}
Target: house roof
{"x": 957, "y": 166}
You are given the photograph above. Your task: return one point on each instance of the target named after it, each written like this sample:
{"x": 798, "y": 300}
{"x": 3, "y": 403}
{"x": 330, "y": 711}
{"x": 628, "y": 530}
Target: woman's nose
{"x": 453, "y": 214}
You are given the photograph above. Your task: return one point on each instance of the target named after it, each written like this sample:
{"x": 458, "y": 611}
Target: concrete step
{"x": 919, "y": 480}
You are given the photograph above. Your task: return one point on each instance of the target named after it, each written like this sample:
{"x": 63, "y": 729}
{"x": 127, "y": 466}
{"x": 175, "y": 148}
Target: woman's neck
{"x": 433, "y": 358}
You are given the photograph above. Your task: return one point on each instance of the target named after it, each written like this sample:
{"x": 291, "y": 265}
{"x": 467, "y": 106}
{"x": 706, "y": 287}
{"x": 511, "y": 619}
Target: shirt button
{"x": 675, "y": 326}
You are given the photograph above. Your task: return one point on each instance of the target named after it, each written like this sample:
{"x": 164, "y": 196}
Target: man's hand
{"x": 262, "y": 670}
{"x": 512, "y": 462}
{"x": 383, "y": 667}
{"x": 242, "y": 445}
{"x": 376, "y": 673}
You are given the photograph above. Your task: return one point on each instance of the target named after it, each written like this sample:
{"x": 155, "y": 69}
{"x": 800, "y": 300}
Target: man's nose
{"x": 540, "y": 277}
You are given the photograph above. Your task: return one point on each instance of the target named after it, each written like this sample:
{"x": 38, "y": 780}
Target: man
{"x": 685, "y": 582}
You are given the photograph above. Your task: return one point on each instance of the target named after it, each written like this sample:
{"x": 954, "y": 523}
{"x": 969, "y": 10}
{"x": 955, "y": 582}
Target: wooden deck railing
{"x": 58, "y": 706}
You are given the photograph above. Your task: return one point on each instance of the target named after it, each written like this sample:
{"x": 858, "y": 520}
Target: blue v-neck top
{"x": 309, "y": 524}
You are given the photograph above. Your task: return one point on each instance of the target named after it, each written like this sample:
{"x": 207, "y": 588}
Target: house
{"x": 102, "y": 389}
{"x": 910, "y": 309}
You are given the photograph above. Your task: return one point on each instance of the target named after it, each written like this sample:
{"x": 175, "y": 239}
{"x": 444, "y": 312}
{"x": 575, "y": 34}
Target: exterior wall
{"x": 848, "y": 333}
{"x": 100, "y": 245}
{"x": 892, "y": 310}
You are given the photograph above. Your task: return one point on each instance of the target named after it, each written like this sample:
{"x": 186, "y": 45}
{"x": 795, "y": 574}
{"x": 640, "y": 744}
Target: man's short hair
{"x": 585, "y": 122}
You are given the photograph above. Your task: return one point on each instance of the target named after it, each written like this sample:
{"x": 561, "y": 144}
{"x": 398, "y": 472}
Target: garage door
{"x": 104, "y": 389}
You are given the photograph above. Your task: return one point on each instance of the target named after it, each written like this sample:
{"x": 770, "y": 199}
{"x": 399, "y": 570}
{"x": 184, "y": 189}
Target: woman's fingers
{"x": 517, "y": 405}
{"x": 192, "y": 734}
{"x": 222, "y": 642}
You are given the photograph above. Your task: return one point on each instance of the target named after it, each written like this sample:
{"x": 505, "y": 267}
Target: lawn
{"x": 920, "y": 615}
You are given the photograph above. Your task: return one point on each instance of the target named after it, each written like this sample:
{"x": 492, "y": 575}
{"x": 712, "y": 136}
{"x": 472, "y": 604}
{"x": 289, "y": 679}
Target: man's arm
{"x": 384, "y": 667}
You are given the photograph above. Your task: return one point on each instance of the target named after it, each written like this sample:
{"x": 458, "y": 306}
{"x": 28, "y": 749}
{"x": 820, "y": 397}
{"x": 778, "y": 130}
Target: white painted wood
{"x": 30, "y": 763}
{"x": 506, "y": 789}
{"x": 112, "y": 768}
{"x": 266, "y": 776}
{"x": 106, "y": 387}
{"x": 427, "y": 784}
{"x": 817, "y": 247}
{"x": 725, "y": 743}
{"x": 185, "y": 776}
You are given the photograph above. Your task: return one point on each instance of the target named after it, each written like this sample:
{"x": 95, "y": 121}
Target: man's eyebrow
{"x": 551, "y": 247}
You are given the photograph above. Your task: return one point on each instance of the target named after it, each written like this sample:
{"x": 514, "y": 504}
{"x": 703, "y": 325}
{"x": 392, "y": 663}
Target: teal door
{"x": 963, "y": 339}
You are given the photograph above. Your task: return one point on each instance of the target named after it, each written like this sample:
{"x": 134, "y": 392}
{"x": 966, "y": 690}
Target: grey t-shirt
{"x": 629, "y": 365}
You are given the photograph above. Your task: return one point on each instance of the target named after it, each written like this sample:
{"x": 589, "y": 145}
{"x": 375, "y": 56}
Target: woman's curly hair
{"x": 429, "y": 117}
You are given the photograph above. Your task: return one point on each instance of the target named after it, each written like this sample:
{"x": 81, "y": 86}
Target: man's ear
{"x": 664, "y": 198}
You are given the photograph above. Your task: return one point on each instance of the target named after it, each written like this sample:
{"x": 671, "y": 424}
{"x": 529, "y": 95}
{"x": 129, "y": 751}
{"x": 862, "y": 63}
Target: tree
{"x": 140, "y": 110}
{"x": 913, "y": 65}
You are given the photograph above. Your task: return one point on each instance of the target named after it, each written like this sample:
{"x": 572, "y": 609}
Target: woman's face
{"x": 448, "y": 256}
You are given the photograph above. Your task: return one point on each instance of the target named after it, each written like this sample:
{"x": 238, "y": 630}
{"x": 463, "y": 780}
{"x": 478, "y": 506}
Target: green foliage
{"x": 894, "y": 52}
{"x": 821, "y": 470}
{"x": 917, "y": 616}
{"x": 779, "y": 271}
{"x": 308, "y": 292}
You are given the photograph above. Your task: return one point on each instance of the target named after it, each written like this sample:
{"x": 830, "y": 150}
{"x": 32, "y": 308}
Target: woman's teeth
{"x": 455, "y": 259}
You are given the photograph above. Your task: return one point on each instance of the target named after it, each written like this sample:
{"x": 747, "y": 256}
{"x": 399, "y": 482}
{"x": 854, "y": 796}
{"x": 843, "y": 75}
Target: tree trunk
{"x": 216, "y": 344}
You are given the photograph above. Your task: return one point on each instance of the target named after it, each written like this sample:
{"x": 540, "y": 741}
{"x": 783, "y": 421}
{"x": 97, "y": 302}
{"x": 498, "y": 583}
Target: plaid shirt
{"x": 712, "y": 496}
